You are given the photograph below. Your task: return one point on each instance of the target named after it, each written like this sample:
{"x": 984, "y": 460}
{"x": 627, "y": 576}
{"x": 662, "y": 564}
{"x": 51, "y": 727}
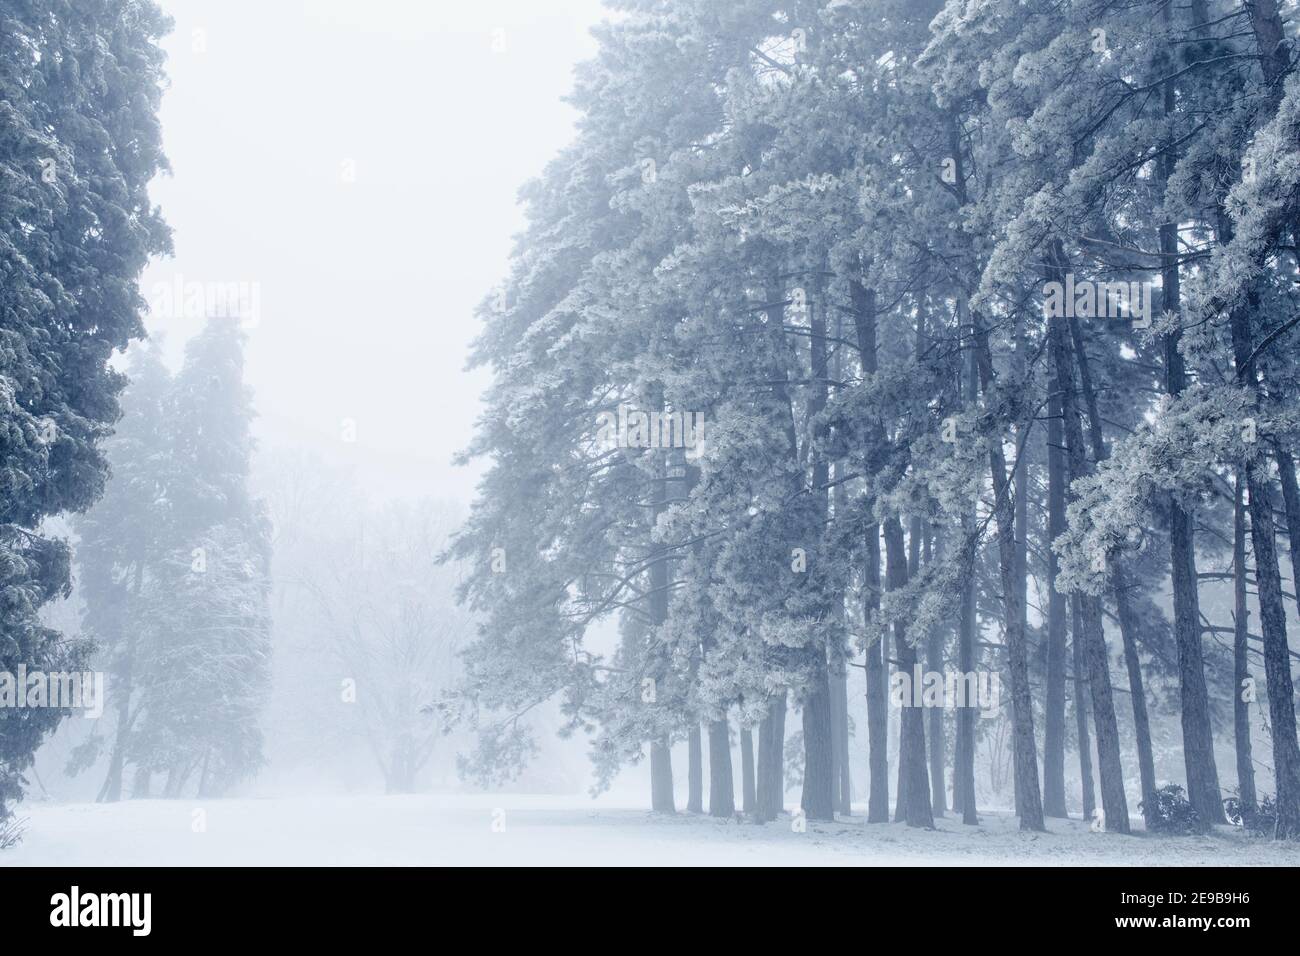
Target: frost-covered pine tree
{"x": 79, "y": 93}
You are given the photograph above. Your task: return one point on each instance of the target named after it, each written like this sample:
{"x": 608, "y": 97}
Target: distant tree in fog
{"x": 386, "y": 615}
{"x": 177, "y": 568}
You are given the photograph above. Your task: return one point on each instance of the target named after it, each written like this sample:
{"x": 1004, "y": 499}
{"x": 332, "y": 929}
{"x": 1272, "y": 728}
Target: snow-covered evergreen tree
{"x": 79, "y": 142}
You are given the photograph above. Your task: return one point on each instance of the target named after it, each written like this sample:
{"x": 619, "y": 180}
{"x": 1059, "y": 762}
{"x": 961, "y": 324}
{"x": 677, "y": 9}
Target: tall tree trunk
{"x": 963, "y": 787}
{"x": 1240, "y": 661}
{"x": 1198, "y": 736}
{"x": 877, "y": 675}
{"x": 1277, "y": 664}
{"x": 1021, "y": 485}
{"x": 1274, "y": 57}
{"x": 1054, "y": 733}
{"x": 1272, "y": 612}
{"x": 864, "y": 315}
{"x": 818, "y": 799}
{"x": 694, "y": 771}
{"x": 914, "y": 542}
{"x": 976, "y": 349}
{"x": 838, "y": 658}
{"x": 843, "y": 778}
{"x": 1113, "y": 801}
{"x": 1141, "y": 722}
{"x": 913, "y": 787}
{"x": 1030, "y": 801}
{"x": 1119, "y": 586}
{"x": 661, "y": 767}
{"x": 934, "y": 662}
{"x": 749, "y": 800}
{"x": 771, "y": 760}
{"x": 722, "y": 790}
{"x": 771, "y": 732}
{"x": 1081, "y": 699}
{"x": 111, "y": 792}
{"x": 661, "y": 778}
{"x": 1270, "y": 40}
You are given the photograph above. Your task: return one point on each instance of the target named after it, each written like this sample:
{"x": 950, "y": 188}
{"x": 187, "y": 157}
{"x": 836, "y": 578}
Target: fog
{"x": 358, "y": 163}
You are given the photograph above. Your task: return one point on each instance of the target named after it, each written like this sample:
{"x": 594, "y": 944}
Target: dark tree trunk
{"x": 915, "y": 545}
{"x": 913, "y": 787}
{"x": 1021, "y": 484}
{"x": 1240, "y": 662}
{"x": 661, "y": 778}
{"x": 1030, "y": 802}
{"x": 1277, "y": 664}
{"x": 864, "y": 314}
{"x": 1268, "y": 582}
{"x": 1141, "y": 722}
{"x": 963, "y": 786}
{"x": 1119, "y": 586}
{"x": 1054, "y": 733}
{"x": 771, "y": 760}
{"x": 722, "y": 790}
{"x": 1275, "y": 54}
{"x": 1270, "y": 40}
{"x": 964, "y": 771}
{"x": 935, "y": 745}
{"x": 843, "y": 779}
{"x": 1113, "y": 801}
{"x": 1081, "y": 698}
{"x": 840, "y": 775}
{"x": 749, "y": 801}
{"x": 819, "y": 784}
{"x": 877, "y": 673}
{"x": 661, "y": 766}
{"x": 111, "y": 792}
{"x": 694, "y": 771}
{"x": 818, "y": 798}
{"x": 1198, "y": 736}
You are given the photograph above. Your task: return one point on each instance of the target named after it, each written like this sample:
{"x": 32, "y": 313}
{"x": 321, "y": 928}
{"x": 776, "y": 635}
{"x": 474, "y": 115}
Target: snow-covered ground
{"x": 515, "y": 830}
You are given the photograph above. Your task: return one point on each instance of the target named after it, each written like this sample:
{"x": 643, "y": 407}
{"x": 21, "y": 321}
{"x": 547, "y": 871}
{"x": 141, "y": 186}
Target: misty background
{"x": 328, "y": 151}
{"x": 327, "y": 159}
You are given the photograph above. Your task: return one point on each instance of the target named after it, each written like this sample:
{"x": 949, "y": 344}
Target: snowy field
{"x": 533, "y": 830}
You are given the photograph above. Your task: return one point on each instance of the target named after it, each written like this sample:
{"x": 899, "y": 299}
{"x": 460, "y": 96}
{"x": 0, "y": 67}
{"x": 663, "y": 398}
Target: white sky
{"x": 366, "y": 288}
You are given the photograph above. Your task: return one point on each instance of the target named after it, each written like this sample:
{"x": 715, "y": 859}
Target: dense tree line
{"x": 849, "y": 337}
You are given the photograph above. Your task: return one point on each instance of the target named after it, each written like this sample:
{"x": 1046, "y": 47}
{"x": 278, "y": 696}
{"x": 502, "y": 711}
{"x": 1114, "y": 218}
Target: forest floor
{"x": 548, "y": 830}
